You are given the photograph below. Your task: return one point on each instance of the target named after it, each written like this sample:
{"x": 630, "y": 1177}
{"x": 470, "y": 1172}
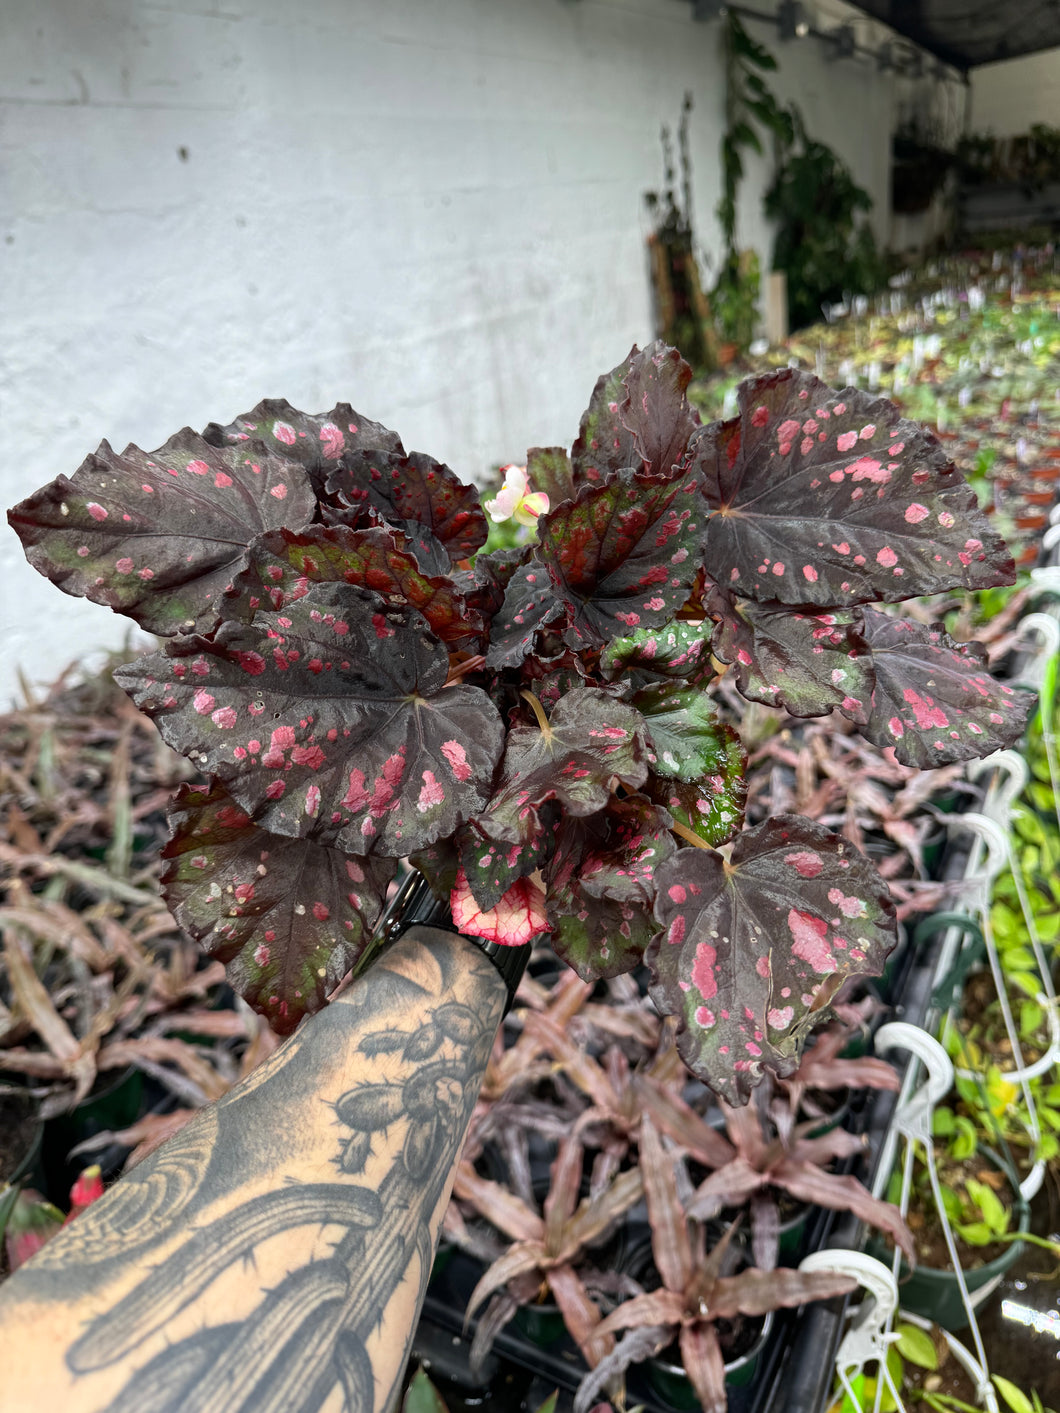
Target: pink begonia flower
{"x": 516, "y": 499}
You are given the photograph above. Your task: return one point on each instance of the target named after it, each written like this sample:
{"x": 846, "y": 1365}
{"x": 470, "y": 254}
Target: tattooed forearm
{"x": 272, "y": 1257}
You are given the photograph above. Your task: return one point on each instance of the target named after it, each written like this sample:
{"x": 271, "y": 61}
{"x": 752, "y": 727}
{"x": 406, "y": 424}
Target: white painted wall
{"x": 1007, "y": 98}
{"x": 431, "y": 208}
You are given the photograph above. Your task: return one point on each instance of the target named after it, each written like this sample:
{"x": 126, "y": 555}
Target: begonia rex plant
{"x": 533, "y": 727}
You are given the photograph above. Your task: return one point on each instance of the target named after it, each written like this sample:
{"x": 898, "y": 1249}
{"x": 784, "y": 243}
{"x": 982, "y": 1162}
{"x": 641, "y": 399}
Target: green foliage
{"x": 823, "y": 243}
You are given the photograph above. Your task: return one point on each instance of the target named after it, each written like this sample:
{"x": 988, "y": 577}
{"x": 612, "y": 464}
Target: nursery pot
{"x": 935, "y": 1294}
{"x": 671, "y": 1383}
{"x": 113, "y": 1103}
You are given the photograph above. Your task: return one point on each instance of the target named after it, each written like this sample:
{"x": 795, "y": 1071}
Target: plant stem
{"x": 539, "y": 712}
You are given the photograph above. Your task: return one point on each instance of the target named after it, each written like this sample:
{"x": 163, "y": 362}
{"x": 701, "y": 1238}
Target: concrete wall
{"x": 431, "y": 208}
{"x": 1008, "y": 97}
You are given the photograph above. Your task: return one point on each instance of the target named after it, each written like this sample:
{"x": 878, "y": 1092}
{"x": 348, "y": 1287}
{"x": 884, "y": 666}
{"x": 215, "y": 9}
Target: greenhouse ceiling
{"x": 966, "y": 33}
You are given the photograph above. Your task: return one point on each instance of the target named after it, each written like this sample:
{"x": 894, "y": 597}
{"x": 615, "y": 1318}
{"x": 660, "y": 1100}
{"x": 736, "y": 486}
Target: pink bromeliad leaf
{"x": 423, "y": 498}
{"x": 282, "y": 565}
{"x": 159, "y": 535}
{"x": 934, "y": 700}
{"x": 320, "y": 441}
{"x": 750, "y": 949}
{"x": 623, "y": 554}
{"x": 601, "y": 886}
{"x": 822, "y": 497}
{"x": 517, "y": 918}
{"x": 807, "y": 663}
{"x": 330, "y": 719}
{"x": 592, "y": 744}
{"x": 288, "y": 917}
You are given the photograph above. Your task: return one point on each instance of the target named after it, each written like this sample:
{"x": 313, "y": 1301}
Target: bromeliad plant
{"x": 533, "y": 727}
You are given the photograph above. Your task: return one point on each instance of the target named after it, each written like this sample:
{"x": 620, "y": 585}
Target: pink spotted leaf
{"x": 678, "y": 650}
{"x": 601, "y": 887}
{"x": 159, "y": 535}
{"x": 935, "y": 701}
{"x": 288, "y": 917}
{"x": 591, "y": 744}
{"x": 604, "y": 443}
{"x": 420, "y": 496}
{"x": 623, "y": 554}
{"x": 491, "y": 866}
{"x": 824, "y": 498}
{"x": 319, "y": 441}
{"x": 548, "y": 469}
{"x": 751, "y": 948}
{"x": 330, "y": 720}
{"x": 530, "y": 607}
{"x": 655, "y": 409}
{"x": 807, "y": 663}
{"x": 282, "y": 565}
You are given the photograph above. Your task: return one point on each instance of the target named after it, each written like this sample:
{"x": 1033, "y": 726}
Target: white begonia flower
{"x": 516, "y": 499}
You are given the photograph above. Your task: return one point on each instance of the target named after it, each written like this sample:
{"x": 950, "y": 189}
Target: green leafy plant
{"x": 823, "y": 243}
{"x": 749, "y": 104}
{"x": 533, "y": 728}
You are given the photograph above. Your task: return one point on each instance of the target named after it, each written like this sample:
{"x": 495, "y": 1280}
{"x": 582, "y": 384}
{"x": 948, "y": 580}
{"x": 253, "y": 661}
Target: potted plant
{"x": 534, "y": 727}
{"x": 697, "y": 1292}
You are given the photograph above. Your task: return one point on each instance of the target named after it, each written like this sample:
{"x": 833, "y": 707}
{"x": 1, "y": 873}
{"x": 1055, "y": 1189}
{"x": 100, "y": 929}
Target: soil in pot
{"x": 932, "y": 1290}
{"x": 981, "y": 1021}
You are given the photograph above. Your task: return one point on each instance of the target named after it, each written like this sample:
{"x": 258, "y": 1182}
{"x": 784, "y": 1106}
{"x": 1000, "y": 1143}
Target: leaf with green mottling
{"x": 678, "y": 649}
{"x": 687, "y": 737}
{"x": 160, "y": 535}
{"x": 287, "y": 917}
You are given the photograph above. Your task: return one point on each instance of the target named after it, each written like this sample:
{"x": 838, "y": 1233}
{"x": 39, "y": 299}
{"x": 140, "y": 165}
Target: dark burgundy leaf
{"x": 282, "y": 565}
{"x": 288, "y": 917}
{"x": 548, "y": 469}
{"x": 935, "y": 702}
{"x": 592, "y": 744}
{"x": 318, "y": 441}
{"x": 416, "y": 493}
{"x": 824, "y": 498}
{"x": 604, "y": 443}
{"x": 656, "y": 409}
{"x": 677, "y": 649}
{"x": 439, "y": 863}
{"x": 329, "y": 720}
{"x": 159, "y": 535}
{"x": 551, "y": 675}
{"x": 807, "y": 663}
{"x": 747, "y": 946}
{"x": 688, "y": 739}
{"x": 491, "y": 867}
{"x": 600, "y": 886}
{"x": 530, "y": 604}
{"x": 624, "y": 554}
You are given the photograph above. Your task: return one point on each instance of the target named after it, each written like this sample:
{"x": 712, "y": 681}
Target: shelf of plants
{"x": 598, "y": 1173}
